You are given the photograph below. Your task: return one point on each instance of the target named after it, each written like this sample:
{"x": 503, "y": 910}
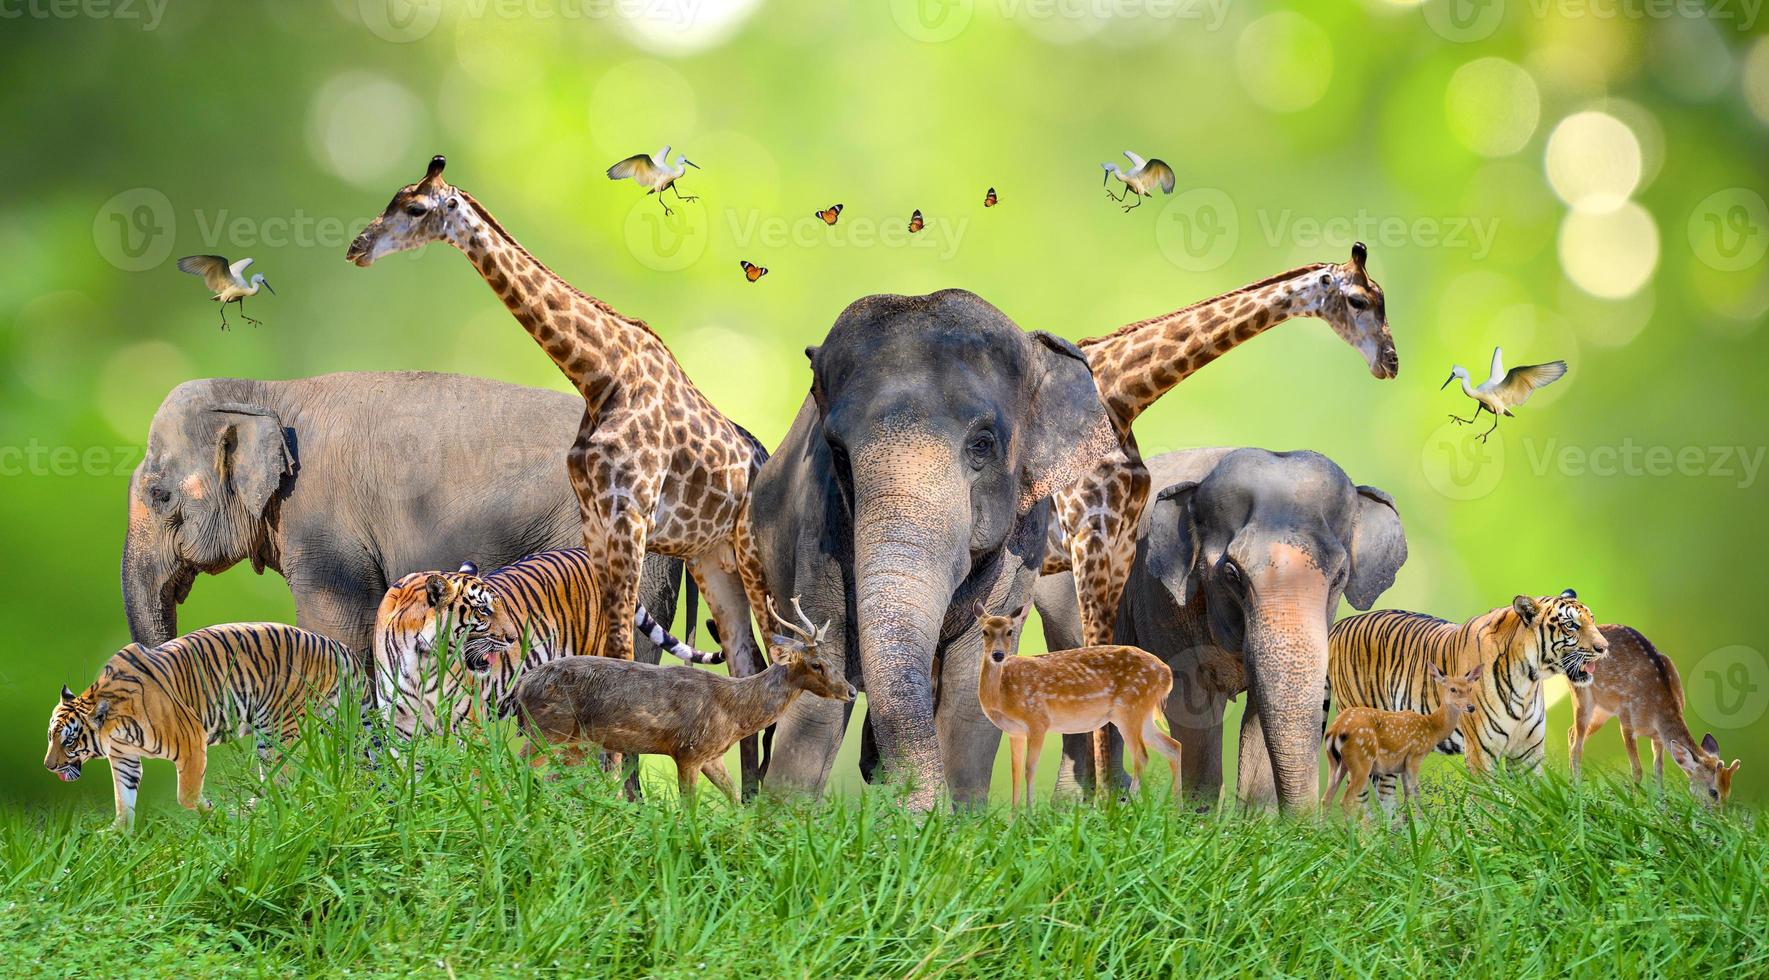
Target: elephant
{"x": 342, "y": 483}
{"x": 915, "y": 481}
{"x": 1239, "y": 569}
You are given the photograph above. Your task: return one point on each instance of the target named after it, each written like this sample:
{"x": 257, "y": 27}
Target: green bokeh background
{"x": 135, "y": 135}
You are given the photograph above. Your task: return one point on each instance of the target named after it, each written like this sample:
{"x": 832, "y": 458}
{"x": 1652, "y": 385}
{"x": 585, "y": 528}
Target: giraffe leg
{"x": 726, "y": 600}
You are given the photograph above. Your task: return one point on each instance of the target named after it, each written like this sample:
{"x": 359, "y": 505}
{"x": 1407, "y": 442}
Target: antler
{"x": 796, "y": 630}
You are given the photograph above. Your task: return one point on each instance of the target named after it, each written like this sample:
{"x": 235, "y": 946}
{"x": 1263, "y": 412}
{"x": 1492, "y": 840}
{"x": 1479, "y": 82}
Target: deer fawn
{"x": 690, "y": 715}
{"x": 1069, "y": 692}
{"x": 1364, "y": 742}
{"x": 1640, "y": 687}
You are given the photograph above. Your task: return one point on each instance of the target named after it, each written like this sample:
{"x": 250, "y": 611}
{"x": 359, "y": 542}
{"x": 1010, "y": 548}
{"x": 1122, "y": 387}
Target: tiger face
{"x": 422, "y": 605}
{"x": 1568, "y": 636}
{"x": 73, "y": 733}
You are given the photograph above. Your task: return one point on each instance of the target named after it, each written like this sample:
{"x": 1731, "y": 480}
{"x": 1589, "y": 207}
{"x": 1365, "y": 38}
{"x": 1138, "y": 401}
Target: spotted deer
{"x": 1641, "y": 687}
{"x": 1070, "y": 692}
{"x": 1365, "y": 742}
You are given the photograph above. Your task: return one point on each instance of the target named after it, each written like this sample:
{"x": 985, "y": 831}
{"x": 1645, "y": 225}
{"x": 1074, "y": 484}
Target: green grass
{"x": 477, "y": 866}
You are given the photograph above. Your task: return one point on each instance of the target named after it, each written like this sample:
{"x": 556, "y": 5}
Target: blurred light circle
{"x": 361, "y": 128}
{"x": 1285, "y": 61}
{"x": 1606, "y": 322}
{"x": 1593, "y": 161}
{"x": 55, "y": 335}
{"x": 641, "y": 97}
{"x": 1492, "y": 106}
{"x": 501, "y": 52}
{"x": 1647, "y": 130}
{"x": 1610, "y": 254}
{"x": 1756, "y": 79}
{"x": 682, "y": 26}
{"x": 133, "y": 382}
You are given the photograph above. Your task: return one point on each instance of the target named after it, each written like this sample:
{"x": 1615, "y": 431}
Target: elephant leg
{"x": 1254, "y": 785}
{"x": 968, "y": 740}
{"x": 729, "y": 605}
{"x": 1194, "y": 716}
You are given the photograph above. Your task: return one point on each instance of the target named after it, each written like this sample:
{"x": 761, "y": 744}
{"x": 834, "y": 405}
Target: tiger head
{"x": 421, "y": 605}
{"x": 1566, "y": 634}
{"x": 73, "y": 731}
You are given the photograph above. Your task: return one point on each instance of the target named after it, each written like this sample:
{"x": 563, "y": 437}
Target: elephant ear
{"x": 1378, "y": 548}
{"x": 251, "y": 454}
{"x": 1171, "y": 545}
{"x": 1067, "y": 431}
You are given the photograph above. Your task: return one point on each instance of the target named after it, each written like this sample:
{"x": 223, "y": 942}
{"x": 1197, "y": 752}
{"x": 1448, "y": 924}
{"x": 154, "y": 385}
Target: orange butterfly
{"x": 751, "y": 271}
{"x": 989, "y": 199}
{"x": 915, "y": 222}
{"x": 829, "y": 214}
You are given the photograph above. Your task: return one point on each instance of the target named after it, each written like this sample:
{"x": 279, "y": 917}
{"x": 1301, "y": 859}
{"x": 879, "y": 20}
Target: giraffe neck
{"x": 584, "y": 336}
{"x": 1142, "y": 361}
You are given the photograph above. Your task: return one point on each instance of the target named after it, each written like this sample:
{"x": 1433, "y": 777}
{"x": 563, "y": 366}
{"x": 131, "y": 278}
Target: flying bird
{"x": 655, "y": 173}
{"x": 990, "y": 200}
{"x": 915, "y": 222}
{"x": 751, "y": 271}
{"x": 1503, "y": 390}
{"x": 1142, "y": 178}
{"x": 829, "y": 214}
{"x": 227, "y": 281}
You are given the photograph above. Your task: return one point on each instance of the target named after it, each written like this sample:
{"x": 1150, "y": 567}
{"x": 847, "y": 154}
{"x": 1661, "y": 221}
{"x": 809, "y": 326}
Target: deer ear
{"x": 1436, "y": 674}
{"x": 1019, "y": 615}
{"x": 1474, "y": 673}
{"x": 1710, "y": 744}
{"x": 978, "y": 609}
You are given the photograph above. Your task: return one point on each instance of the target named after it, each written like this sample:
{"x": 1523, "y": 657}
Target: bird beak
{"x": 269, "y": 287}
{"x": 1446, "y": 384}
{"x": 691, "y": 163}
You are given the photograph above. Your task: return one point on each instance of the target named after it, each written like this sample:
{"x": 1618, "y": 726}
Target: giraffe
{"x": 654, "y": 464}
{"x": 1098, "y": 516}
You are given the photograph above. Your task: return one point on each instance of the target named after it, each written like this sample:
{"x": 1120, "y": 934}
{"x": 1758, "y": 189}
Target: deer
{"x": 1641, "y": 687}
{"x": 1364, "y": 742}
{"x": 1070, "y": 692}
{"x": 690, "y": 715}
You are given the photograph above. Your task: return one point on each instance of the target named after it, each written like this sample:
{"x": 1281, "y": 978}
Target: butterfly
{"x": 915, "y": 222}
{"x": 751, "y": 271}
{"x": 989, "y": 199}
{"x": 829, "y": 214}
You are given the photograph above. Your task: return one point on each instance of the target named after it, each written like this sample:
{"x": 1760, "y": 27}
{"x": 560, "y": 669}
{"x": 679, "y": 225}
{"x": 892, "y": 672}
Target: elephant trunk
{"x": 910, "y": 552}
{"x": 153, "y": 586}
{"x": 1286, "y": 658}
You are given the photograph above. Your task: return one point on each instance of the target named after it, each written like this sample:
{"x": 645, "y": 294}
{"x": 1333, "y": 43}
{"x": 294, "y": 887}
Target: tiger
{"x": 1383, "y": 660}
{"x": 175, "y": 700}
{"x": 545, "y": 601}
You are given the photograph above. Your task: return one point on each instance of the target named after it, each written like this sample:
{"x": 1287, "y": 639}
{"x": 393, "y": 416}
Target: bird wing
{"x": 1161, "y": 173}
{"x": 1520, "y": 381}
{"x": 238, "y": 269}
{"x": 1136, "y": 162}
{"x": 638, "y": 166}
{"x": 1498, "y": 373}
{"x": 213, "y": 269}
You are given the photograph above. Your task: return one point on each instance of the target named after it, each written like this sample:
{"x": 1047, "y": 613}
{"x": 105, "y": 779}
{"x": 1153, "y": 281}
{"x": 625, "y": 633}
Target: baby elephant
{"x": 1364, "y": 742}
{"x": 692, "y": 716}
{"x": 1069, "y": 692}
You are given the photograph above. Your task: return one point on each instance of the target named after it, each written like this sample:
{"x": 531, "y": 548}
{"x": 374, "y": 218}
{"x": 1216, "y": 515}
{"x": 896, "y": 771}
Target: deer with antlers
{"x": 690, "y": 715}
{"x": 1069, "y": 692}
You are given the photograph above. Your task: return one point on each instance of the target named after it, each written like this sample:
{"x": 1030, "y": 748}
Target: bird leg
{"x": 1117, "y": 197}
{"x": 1136, "y": 202}
{"x": 682, "y": 196}
{"x": 254, "y": 321}
{"x": 222, "y": 308}
{"x": 1489, "y": 432}
{"x": 1466, "y": 421}
{"x": 666, "y": 208}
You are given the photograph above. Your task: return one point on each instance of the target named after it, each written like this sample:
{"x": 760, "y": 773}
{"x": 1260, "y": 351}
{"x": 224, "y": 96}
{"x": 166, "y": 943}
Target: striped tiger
{"x": 1383, "y": 660}
{"x": 544, "y": 600}
{"x": 175, "y": 700}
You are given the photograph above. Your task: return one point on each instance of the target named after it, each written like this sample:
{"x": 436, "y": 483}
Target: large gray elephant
{"x": 1238, "y": 575}
{"x": 916, "y": 480}
{"x": 343, "y": 483}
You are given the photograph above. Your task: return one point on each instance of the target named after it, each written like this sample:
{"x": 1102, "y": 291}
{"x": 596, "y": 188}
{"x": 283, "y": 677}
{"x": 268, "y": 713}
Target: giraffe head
{"x": 419, "y": 214}
{"x": 1349, "y": 300}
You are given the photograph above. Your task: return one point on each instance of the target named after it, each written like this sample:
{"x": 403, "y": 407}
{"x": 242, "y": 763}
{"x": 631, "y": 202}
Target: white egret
{"x": 655, "y": 172}
{"x": 1503, "y": 390}
{"x": 227, "y": 281}
{"x": 1142, "y": 178}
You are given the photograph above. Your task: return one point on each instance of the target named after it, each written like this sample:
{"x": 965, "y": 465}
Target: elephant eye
{"x": 159, "y": 495}
{"x": 982, "y": 446}
{"x": 1231, "y": 573}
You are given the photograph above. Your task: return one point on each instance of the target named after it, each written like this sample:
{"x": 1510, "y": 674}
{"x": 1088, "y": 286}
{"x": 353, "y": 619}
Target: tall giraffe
{"x": 654, "y": 465}
{"x": 1098, "y": 516}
